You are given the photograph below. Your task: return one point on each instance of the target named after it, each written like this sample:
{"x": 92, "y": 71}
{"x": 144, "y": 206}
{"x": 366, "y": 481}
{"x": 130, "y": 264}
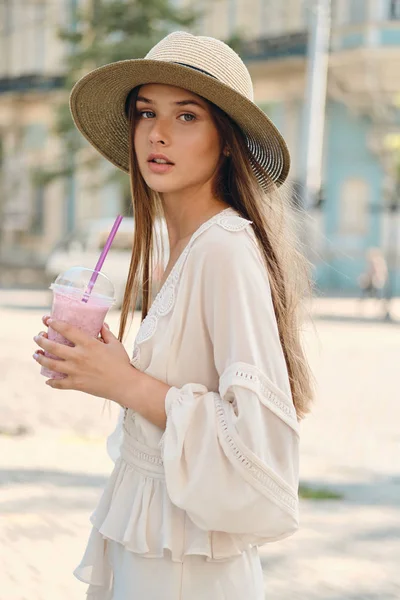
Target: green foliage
{"x": 112, "y": 31}
{"x": 310, "y": 493}
{"x": 105, "y": 32}
{"x": 236, "y": 41}
{"x": 117, "y": 30}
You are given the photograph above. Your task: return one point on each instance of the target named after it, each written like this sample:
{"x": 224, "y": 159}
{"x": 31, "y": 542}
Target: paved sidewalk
{"x": 345, "y": 550}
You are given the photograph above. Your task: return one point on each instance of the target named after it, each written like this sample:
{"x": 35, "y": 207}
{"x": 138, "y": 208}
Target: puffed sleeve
{"x": 231, "y": 455}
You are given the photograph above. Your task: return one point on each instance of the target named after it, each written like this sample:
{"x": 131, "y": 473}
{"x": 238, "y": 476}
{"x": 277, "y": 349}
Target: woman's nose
{"x": 159, "y": 133}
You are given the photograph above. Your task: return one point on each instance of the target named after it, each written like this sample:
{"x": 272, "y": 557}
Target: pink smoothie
{"x": 88, "y": 316}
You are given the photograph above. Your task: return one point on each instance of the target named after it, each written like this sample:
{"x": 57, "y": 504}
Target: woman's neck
{"x": 184, "y": 213}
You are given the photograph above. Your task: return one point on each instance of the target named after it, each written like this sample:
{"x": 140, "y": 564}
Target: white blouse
{"x": 223, "y": 476}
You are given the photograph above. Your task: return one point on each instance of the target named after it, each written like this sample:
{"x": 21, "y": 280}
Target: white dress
{"x": 184, "y": 510}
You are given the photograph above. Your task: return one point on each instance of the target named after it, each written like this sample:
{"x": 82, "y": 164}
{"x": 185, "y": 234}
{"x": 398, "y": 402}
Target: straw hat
{"x": 202, "y": 65}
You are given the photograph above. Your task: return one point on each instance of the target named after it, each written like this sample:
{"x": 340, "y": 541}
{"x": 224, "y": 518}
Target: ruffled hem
{"x": 95, "y": 593}
{"x": 135, "y": 511}
{"x": 95, "y": 569}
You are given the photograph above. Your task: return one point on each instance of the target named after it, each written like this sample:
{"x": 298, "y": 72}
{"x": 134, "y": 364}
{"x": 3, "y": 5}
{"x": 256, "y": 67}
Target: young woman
{"x": 207, "y": 469}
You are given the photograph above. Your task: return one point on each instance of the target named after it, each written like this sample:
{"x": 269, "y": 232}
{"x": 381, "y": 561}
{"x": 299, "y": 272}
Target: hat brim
{"x": 97, "y": 104}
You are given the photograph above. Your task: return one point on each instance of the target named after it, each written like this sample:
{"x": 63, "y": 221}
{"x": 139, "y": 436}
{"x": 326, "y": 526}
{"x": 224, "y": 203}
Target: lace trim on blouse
{"x": 165, "y": 299}
{"x": 257, "y": 473}
{"x": 250, "y": 377}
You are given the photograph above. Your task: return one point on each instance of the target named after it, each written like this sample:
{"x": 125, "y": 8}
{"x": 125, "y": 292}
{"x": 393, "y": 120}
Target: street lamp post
{"x": 392, "y": 249}
{"x": 315, "y": 99}
{"x": 391, "y": 154}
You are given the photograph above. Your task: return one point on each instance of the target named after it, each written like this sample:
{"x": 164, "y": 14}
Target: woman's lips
{"x": 160, "y": 168}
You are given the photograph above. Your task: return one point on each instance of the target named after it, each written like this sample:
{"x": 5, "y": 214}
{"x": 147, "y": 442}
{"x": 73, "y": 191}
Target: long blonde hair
{"x": 273, "y": 222}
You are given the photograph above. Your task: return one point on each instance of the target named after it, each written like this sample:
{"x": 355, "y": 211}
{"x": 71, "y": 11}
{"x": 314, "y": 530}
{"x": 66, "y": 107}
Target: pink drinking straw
{"x": 102, "y": 258}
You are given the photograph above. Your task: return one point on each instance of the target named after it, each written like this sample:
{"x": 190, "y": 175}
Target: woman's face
{"x": 176, "y": 126}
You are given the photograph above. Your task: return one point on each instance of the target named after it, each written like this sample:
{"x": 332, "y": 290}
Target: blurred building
{"x": 353, "y": 209}
{"x": 34, "y": 217}
{"x": 30, "y": 76}
{"x": 356, "y": 206}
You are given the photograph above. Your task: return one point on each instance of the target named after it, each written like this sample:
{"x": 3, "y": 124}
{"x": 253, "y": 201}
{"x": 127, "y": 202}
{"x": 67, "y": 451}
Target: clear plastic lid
{"x": 75, "y": 282}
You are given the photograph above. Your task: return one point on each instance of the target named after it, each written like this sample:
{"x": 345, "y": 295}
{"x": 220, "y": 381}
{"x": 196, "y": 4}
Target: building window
{"x": 394, "y": 9}
{"x": 273, "y": 18}
{"x": 34, "y": 136}
{"x": 37, "y": 225}
{"x": 232, "y": 17}
{"x": 40, "y": 36}
{"x": 1, "y": 152}
{"x": 357, "y": 11}
{"x": 354, "y": 207}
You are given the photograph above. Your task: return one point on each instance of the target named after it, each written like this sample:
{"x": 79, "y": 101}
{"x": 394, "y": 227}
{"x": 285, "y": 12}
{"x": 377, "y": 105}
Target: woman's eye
{"x": 146, "y": 114}
{"x": 187, "y": 117}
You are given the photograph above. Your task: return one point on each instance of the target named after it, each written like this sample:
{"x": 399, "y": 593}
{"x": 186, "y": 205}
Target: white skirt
{"x": 140, "y": 578}
{"x": 143, "y": 547}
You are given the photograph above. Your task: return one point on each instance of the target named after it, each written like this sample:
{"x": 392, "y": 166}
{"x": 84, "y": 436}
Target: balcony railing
{"x": 270, "y": 48}
{"x": 31, "y": 83}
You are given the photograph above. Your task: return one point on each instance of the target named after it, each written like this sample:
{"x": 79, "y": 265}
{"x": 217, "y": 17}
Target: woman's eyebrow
{"x": 179, "y": 103}
{"x": 188, "y": 102}
{"x": 143, "y": 99}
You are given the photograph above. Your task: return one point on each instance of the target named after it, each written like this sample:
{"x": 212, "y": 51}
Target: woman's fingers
{"x": 49, "y": 363}
{"x": 59, "y": 350}
{"x": 77, "y": 336}
{"x": 44, "y": 319}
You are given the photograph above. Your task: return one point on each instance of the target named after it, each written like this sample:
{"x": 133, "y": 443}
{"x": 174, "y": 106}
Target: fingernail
{"x": 35, "y": 356}
{"x": 49, "y": 320}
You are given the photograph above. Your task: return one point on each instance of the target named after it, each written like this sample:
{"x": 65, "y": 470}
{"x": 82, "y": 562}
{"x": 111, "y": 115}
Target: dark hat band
{"x": 175, "y": 63}
{"x": 195, "y": 69}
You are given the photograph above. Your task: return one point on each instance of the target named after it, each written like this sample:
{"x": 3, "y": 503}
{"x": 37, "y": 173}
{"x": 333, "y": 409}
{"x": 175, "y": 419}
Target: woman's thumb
{"x": 106, "y": 333}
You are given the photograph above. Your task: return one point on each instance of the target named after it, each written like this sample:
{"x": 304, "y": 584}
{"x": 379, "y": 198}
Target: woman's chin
{"x": 163, "y": 187}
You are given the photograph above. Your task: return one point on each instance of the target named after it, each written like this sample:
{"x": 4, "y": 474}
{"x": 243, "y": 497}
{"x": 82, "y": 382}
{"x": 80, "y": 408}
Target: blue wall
{"x": 348, "y": 157}
{"x": 276, "y": 112}
{"x": 390, "y": 37}
{"x": 352, "y": 40}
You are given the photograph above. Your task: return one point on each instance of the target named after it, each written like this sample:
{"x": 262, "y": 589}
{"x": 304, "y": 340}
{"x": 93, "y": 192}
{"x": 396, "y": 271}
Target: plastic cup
{"x": 68, "y": 291}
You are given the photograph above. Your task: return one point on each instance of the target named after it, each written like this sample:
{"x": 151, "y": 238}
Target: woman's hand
{"x": 96, "y": 368}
